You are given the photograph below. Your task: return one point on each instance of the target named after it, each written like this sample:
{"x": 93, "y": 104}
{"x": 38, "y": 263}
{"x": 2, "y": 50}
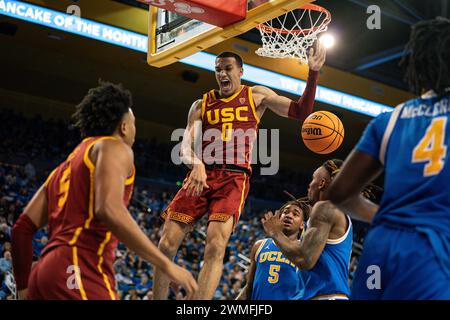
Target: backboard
{"x": 173, "y": 36}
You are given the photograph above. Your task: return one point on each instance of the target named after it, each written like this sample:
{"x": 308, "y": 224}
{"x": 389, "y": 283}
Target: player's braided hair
{"x": 427, "y": 56}
{"x": 102, "y": 109}
{"x": 303, "y": 203}
{"x": 332, "y": 165}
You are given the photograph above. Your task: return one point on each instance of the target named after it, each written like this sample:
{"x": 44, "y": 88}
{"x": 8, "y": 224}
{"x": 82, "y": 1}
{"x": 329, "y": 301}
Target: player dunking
{"x": 271, "y": 276}
{"x": 407, "y": 251}
{"x": 220, "y": 190}
{"x": 84, "y": 201}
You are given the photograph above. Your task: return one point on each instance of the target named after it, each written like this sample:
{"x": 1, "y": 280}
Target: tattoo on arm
{"x": 305, "y": 254}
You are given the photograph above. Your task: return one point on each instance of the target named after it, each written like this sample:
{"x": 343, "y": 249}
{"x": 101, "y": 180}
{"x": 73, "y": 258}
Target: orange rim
{"x": 312, "y": 7}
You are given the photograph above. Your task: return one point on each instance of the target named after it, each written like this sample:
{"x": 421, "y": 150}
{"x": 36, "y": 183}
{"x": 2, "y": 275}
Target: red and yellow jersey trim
{"x": 204, "y": 100}
{"x": 177, "y": 216}
{"x": 76, "y": 234}
{"x": 100, "y": 262}
{"x": 130, "y": 180}
{"x": 241, "y": 203}
{"x": 252, "y": 104}
{"x": 91, "y": 167}
{"x": 226, "y": 100}
{"x": 50, "y": 176}
{"x": 77, "y": 273}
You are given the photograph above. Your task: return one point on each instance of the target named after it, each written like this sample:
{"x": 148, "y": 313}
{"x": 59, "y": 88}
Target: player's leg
{"x": 171, "y": 239}
{"x": 217, "y": 236}
{"x": 231, "y": 189}
{"x": 180, "y": 216}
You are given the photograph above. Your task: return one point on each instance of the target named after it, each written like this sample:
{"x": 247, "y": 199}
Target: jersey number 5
{"x": 64, "y": 184}
{"x": 273, "y": 271}
{"x": 431, "y": 148}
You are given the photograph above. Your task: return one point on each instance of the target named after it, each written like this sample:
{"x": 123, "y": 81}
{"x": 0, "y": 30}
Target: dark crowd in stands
{"x": 29, "y": 151}
{"x": 46, "y": 143}
{"x": 133, "y": 276}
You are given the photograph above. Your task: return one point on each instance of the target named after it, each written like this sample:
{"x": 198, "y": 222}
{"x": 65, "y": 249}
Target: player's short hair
{"x": 427, "y": 56}
{"x": 229, "y": 54}
{"x": 102, "y": 109}
{"x": 332, "y": 165}
{"x": 302, "y": 203}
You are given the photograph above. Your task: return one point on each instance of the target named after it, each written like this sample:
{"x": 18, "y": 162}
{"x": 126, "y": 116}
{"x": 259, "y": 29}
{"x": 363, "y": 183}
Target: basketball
{"x": 322, "y": 132}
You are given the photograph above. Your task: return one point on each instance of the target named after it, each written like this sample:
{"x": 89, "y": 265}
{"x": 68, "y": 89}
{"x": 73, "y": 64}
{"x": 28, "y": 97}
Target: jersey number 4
{"x": 431, "y": 148}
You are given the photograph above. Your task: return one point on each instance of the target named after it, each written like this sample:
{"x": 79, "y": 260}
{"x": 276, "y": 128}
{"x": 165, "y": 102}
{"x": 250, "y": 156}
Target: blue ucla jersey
{"x": 328, "y": 279}
{"x": 412, "y": 142}
{"x": 414, "y": 152}
{"x": 276, "y": 278}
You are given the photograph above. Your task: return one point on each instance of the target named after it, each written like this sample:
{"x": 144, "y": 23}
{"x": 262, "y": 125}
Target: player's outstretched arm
{"x": 303, "y": 254}
{"x": 359, "y": 208}
{"x": 33, "y": 218}
{"x": 358, "y": 170}
{"x": 196, "y": 180}
{"x": 302, "y": 108}
{"x": 246, "y": 292}
{"x": 113, "y": 164}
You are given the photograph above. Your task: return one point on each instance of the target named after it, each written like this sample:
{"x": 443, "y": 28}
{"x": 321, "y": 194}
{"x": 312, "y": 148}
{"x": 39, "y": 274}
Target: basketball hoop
{"x": 291, "y": 34}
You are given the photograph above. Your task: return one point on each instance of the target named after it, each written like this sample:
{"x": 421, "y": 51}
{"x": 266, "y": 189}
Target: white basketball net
{"x": 290, "y": 35}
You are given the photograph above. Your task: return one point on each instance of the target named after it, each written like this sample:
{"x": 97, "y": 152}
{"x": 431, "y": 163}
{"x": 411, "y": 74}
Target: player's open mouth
{"x": 225, "y": 84}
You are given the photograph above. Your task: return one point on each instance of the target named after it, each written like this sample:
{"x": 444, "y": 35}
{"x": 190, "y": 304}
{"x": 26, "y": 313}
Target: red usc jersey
{"x": 71, "y": 220}
{"x": 229, "y": 128}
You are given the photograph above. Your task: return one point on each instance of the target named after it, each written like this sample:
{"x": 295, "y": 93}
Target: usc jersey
{"x": 229, "y": 127}
{"x": 71, "y": 220}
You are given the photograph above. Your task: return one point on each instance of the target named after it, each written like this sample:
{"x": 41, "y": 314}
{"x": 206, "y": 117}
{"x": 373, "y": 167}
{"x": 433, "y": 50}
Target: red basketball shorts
{"x": 224, "y": 198}
{"x": 70, "y": 273}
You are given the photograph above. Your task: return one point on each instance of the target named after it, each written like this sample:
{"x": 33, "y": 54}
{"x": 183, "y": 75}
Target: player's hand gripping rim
{"x": 317, "y": 56}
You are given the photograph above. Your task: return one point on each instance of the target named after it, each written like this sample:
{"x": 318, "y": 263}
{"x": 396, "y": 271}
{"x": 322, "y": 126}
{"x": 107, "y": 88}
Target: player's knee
{"x": 168, "y": 246}
{"x": 215, "y": 249}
